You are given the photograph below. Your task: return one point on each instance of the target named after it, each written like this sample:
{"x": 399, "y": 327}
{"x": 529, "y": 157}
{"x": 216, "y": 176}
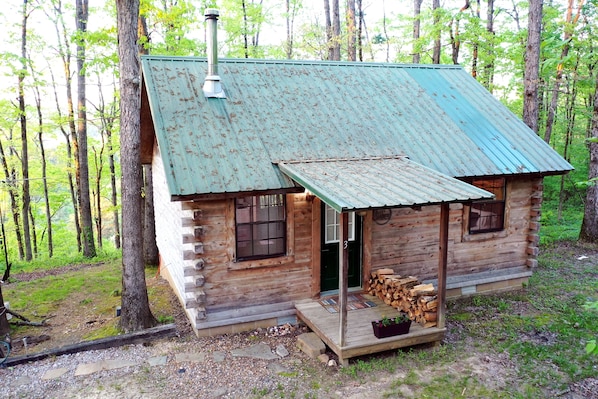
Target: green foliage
{"x": 106, "y": 254}
{"x": 592, "y": 346}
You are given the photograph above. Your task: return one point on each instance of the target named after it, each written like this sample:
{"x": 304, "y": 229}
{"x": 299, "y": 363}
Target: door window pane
{"x": 332, "y": 220}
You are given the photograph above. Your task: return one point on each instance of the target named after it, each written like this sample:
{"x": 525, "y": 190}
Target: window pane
{"x": 244, "y": 249}
{"x": 485, "y": 216}
{"x": 331, "y": 234}
{"x": 333, "y": 225}
{"x": 276, "y": 230}
{"x": 244, "y": 232}
{"x": 260, "y": 226}
{"x": 277, "y": 246}
{"x": 243, "y": 215}
{"x": 260, "y": 247}
{"x": 260, "y": 231}
{"x": 351, "y": 226}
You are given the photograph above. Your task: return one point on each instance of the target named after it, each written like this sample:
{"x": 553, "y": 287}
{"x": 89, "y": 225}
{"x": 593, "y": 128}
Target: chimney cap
{"x": 211, "y": 12}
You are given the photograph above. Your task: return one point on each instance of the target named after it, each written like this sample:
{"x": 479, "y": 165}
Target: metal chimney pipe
{"x": 212, "y": 87}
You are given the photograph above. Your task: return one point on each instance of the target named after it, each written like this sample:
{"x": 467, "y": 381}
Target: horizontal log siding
{"x": 408, "y": 243}
{"x": 234, "y": 285}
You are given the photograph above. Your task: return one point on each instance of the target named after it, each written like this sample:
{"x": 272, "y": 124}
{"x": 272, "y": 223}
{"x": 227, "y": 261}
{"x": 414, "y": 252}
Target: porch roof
{"x": 357, "y": 184}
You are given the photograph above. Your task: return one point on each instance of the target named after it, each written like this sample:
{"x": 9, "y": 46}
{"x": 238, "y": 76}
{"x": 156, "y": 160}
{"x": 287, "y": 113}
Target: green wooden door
{"x": 330, "y": 249}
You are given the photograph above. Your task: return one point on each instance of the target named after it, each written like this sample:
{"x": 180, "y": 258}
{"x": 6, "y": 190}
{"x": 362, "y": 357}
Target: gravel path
{"x": 218, "y": 374}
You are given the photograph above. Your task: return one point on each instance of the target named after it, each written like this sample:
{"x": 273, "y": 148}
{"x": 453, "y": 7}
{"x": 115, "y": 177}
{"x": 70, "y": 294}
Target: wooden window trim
{"x": 289, "y": 257}
{"x": 488, "y": 235}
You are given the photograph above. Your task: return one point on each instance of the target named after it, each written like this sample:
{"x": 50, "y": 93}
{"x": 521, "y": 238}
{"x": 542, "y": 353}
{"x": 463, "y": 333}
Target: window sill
{"x": 259, "y": 263}
{"x": 485, "y": 236}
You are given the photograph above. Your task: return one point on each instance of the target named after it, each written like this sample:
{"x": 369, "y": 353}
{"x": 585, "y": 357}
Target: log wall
{"x": 408, "y": 243}
{"x": 197, "y": 244}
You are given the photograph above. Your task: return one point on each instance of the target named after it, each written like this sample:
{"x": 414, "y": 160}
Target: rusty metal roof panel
{"x": 356, "y": 184}
{"x": 438, "y": 116}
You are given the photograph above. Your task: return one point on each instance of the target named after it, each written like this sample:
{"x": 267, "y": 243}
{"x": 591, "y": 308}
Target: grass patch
{"x": 86, "y": 299}
{"x": 44, "y": 295}
{"x": 542, "y": 329}
{"x": 111, "y": 329}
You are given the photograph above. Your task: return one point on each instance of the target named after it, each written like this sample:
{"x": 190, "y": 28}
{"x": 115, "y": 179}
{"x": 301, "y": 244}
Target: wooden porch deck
{"x": 360, "y": 339}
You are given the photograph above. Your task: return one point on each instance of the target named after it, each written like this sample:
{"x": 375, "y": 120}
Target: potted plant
{"x": 387, "y": 327}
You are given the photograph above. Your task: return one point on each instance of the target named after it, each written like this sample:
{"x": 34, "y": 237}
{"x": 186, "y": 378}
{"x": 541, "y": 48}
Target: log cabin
{"x": 266, "y": 172}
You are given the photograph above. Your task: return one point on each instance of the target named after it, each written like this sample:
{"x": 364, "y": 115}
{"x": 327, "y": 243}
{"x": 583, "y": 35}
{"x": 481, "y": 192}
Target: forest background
{"x": 59, "y": 93}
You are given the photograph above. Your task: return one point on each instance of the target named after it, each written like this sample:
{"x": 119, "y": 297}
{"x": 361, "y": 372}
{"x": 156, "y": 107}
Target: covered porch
{"x": 359, "y": 338}
{"x": 354, "y": 185}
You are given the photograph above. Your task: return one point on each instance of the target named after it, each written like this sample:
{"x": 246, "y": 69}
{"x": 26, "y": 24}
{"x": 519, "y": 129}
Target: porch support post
{"x": 442, "y": 263}
{"x": 343, "y": 265}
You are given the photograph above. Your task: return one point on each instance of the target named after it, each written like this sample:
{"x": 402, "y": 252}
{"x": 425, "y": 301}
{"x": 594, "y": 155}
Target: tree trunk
{"x": 10, "y": 175}
{"x": 4, "y": 326}
{"x": 99, "y": 167}
{"x": 151, "y": 254}
{"x": 455, "y": 39}
{"x": 89, "y": 249}
{"x": 570, "y": 118}
{"x": 329, "y": 31}
{"x": 488, "y": 78}
{"x": 589, "y": 226}
{"x": 245, "y": 29}
{"x": 33, "y": 232}
{"x": 70, "y": 136}
{"x": 291, "y": 8}
{"x": 40, "y": 124}
{"x": 7, "y": 264}
{"x": 150, "y": 248}
{"x": 476, "y": 45}
{"x": 437, "y": 32}
{"x": 531, "y": 77}
{"x": 351, "y": 31}
{"x": 336, "y": 31}
{"x": 114, "y": 191}
{"x": 136, "y": 313}
{"x": 360, "y": 26}
{"x": 24, "y": 147}
{"x": 569, "y": 27}
{"x": 417, "y": 7}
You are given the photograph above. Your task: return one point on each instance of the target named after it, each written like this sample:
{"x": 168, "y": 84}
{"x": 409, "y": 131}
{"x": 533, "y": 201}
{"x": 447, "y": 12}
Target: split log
{"x": 407, "y": 294}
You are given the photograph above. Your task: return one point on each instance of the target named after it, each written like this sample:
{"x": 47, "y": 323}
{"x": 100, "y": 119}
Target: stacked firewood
{"x": 407, "y": 294}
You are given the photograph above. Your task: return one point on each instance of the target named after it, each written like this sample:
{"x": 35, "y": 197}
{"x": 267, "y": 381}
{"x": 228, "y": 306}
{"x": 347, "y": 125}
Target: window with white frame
{"x": 332, "y": 220}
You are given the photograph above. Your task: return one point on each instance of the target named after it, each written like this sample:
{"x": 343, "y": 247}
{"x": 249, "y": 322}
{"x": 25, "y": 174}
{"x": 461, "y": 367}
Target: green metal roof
{"x": 356, "y": 184}
{"x": 275, "y": 111}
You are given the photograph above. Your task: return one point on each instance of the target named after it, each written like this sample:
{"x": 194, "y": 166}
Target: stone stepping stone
{"x": 90, "y": 368}
{"x": 259, "y": 351}
{"x": 191, "y": 357}
{"x": 52, "y": 374}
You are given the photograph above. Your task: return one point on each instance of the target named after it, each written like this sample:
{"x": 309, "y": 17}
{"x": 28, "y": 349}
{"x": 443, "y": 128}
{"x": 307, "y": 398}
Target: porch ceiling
{"x": 357, "y": 184}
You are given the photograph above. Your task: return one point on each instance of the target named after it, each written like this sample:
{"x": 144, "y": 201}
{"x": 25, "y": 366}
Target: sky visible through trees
{"x": 493, "y": 52}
